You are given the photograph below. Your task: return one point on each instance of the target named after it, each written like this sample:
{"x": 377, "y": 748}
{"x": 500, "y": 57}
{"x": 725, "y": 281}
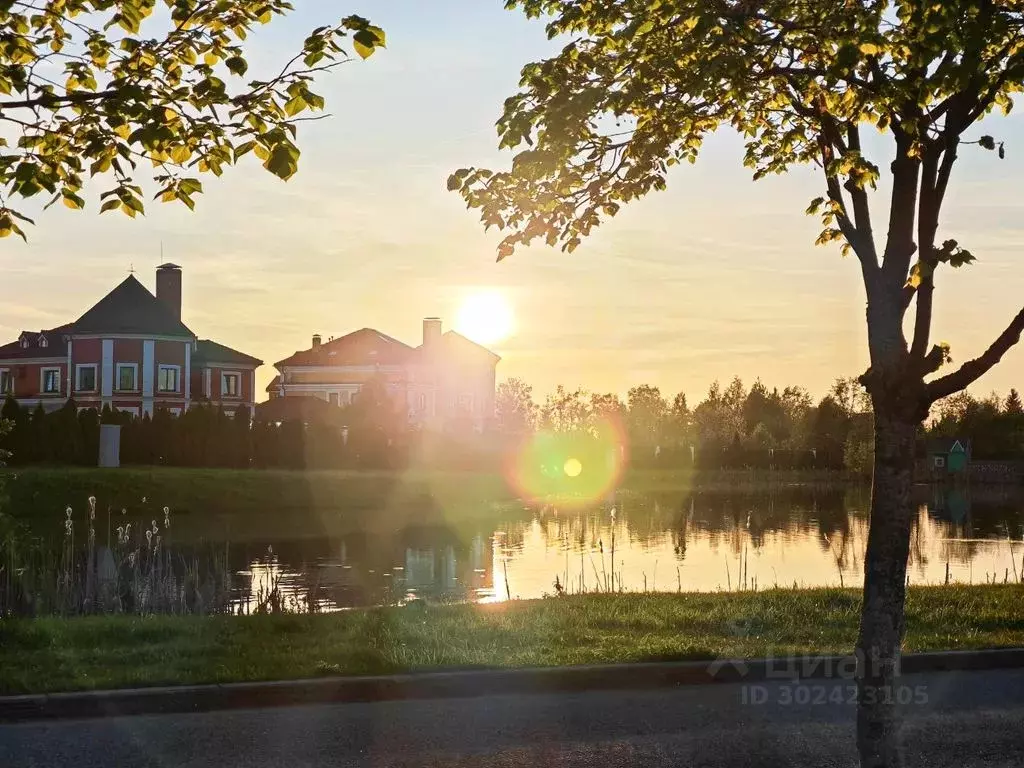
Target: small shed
{"x": 949, "y": 456}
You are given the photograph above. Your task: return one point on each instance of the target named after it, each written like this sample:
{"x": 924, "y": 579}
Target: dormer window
{"x": 43, "y": 342}
{"x": 24, "y": 341}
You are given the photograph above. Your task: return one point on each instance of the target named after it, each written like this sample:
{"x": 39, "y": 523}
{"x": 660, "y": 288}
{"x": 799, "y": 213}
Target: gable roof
{"x": 363, "y": 347}
{"x": 208, "y": 351}
{"x": 56, "y": 345}
{"x": 130, "y": 308}
{"x": 458, "y": 343}
{"x": 949, "y": 445}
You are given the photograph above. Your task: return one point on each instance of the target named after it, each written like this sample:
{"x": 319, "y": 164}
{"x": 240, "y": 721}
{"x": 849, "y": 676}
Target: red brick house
{"x": 446, "y": 380}
{"x": 130, "y": 351}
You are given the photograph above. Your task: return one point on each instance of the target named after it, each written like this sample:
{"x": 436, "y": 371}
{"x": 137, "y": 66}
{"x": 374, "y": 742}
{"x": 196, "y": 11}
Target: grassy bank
{"x": 420, "y": 495}
{"x": 325, "y": 502}
{"x": 109, "y": 652}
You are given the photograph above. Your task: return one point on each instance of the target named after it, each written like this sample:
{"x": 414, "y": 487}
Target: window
{"x": 940, "y": 462}
{"x": 230, "y": 385}
{"x": 86, "y": 381}
{"x": 6, "y": 382}
{"x": 423, "y": 402}
{"x": 51, "y": 381}
{"x": 43, "y": 342}
{"x": 127, "y": 377}
{"x": 169, "y": 379}
{"x": 334, "y": 399}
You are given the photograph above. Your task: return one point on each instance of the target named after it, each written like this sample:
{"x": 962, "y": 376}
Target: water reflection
{"x": 662, "y": 542}
{"x": 667, "y": 541}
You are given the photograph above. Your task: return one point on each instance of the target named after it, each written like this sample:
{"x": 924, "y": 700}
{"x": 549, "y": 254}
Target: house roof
{"x": 457, "y": 344}
{"x": 363, "y": 347}
{"x": 130, "y": 308}
{"x": 56, "y": 345}
{"x": 208, "y": 351}
{"x": 274, "y": 384}
{"x": 948, "y": 444}
{"x": 368, "y": 346}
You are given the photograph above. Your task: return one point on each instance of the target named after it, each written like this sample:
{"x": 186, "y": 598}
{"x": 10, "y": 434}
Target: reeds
{"x": 132, "y": 572}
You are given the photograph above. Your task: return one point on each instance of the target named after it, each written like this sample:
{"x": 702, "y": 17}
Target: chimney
{"x": 168, "y": 287}
{"x": 431, "y": 332}
{"x": 316, "y": 341}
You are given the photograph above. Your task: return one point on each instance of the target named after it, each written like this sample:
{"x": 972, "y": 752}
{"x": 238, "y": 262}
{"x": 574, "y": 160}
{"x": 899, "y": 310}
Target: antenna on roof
{"x": 131, "y": 269}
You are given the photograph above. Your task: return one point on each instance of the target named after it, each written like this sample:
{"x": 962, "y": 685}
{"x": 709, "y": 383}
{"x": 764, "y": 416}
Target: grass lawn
{"x": 397, "y": 497}
{"x": 54, "y": 654}
{"x": 273, "y": 505}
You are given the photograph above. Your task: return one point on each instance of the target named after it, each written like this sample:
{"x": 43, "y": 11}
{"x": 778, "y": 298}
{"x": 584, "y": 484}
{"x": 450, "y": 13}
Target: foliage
{"x": 565, "y": 411}
{"x": 994, "y": 426}
{"x": 95, "y": 87}
{"x": 638, "y": 86}
{"x": 515, "y": 411}
{"x": 647, "y": 414}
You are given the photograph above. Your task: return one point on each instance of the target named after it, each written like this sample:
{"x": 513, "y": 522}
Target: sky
{"x": 715, "y": 277}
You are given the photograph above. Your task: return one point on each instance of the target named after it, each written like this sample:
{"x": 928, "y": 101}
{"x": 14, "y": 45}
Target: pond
{"x": 685, "y": 541}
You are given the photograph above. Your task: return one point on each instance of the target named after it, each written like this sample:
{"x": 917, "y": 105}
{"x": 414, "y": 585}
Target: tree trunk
{"x": 885, "y": 575}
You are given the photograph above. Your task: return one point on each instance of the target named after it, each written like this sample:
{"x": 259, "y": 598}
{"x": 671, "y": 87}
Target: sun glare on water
{"x": 485, "y": 317}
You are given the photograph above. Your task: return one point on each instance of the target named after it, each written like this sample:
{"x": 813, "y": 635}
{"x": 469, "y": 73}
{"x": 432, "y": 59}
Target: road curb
{"x": 472, "y": 683}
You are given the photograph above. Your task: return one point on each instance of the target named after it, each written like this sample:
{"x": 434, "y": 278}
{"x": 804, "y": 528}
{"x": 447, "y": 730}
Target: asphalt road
{"x": 959, "y": 719}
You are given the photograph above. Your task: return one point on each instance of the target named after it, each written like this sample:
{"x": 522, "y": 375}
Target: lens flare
{"x": 573, "y": 468}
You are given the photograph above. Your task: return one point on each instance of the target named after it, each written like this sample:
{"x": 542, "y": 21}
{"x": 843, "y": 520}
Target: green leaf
{"x": 237, "y": 65}
{"x": 294, "y": 106}
{"x": 282, "y": 162}
{"x": 366, "y": 41}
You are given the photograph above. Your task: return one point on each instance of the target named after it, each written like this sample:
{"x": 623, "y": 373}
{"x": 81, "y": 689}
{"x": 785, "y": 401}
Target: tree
{"x": 646, "y": 415}
{"x": 374, "y": 421}
{"x": 515, "y": 410}
{"x": 606, "y": 410}
{"x": 679, "y": 425}
{"x": 637, "y": 88}
{"x": 565, "y": 411}
{"x": 1013, "y": 404}
{"x": 167, "y": 89}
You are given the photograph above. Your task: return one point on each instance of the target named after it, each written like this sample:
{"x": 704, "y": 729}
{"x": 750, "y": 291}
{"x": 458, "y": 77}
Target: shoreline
{"x": 48, "y": 655}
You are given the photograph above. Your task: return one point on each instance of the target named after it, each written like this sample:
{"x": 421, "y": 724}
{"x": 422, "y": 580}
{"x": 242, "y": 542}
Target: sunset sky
{"x": 715, "y": 277}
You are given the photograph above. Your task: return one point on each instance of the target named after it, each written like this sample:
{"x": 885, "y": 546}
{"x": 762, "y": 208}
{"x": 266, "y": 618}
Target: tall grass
{"x": 130, "y": 570}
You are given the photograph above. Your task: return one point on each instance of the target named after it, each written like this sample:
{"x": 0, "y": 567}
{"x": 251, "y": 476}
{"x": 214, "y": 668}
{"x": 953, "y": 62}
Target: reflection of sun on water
{"x": 485, "y": 317}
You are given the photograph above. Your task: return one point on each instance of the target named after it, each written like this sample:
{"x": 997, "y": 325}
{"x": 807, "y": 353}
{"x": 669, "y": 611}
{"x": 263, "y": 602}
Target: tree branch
{"x": 900, "y": 246}
{"x": 974, "y": 369}
{"x": 76, "y": 97}
{"x": 927, "y": 225}
{"x": 861, "y": 207}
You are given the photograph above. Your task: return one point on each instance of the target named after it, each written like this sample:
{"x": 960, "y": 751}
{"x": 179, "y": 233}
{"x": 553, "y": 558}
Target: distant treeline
{"x": 760, "y": 427}
{"x": 730, "y": 428}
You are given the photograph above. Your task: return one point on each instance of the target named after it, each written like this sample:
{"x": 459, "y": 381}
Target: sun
{"x": 485, "y": 317}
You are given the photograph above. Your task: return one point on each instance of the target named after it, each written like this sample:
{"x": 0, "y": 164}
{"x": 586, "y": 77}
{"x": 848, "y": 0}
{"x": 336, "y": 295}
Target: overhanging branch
{"x": 972, "y": 370}
{"x": 46, "y": 100}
